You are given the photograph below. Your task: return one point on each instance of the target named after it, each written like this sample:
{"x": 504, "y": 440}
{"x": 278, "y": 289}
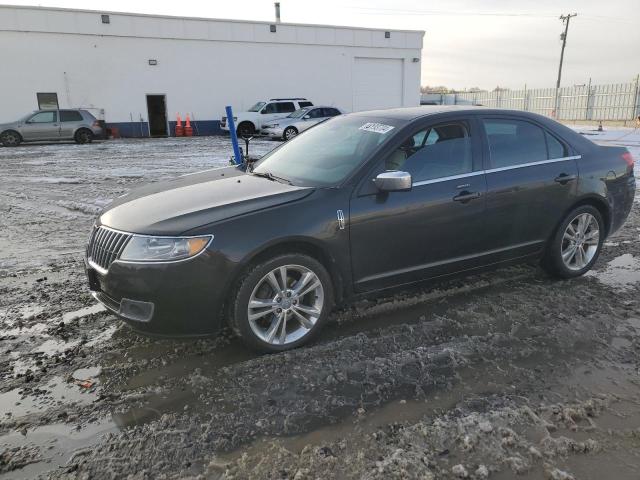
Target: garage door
{"x": 377, "y": 83}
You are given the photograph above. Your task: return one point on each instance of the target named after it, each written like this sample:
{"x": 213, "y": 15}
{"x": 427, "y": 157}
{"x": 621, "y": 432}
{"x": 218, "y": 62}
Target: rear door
{"x": 531, "y": 182}
{"x": 435, "y": 228}
{"x": 41, "y": 126}
{"x": 70, "y": 120}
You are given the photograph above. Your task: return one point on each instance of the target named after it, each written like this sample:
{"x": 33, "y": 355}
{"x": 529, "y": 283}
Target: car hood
{"x": 176, "y": 206}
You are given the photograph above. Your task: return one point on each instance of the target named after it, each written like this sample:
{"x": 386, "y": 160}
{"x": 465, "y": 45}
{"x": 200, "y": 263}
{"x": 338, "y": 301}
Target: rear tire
{"x": 289, "y": 133}
{"x": 272, "y": 315}
{"x": 576, "y": 244}
{"x": 10, "y": 138}
{"x": 83, "y": 136}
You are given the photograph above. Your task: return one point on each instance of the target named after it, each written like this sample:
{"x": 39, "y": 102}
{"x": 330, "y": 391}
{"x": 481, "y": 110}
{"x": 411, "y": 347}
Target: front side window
{"x": 434, "y": 152}
{"x": 330, "y": 112}
{"x": 70, "y": 116}
{"x": 285, "y": 107}
{"x": 316, "y": 113}
{"x": 270, "y": 108}
{"x": 44, "y": 117}
{"x": 514, "y": 142}
{"x": 328, "y": 153}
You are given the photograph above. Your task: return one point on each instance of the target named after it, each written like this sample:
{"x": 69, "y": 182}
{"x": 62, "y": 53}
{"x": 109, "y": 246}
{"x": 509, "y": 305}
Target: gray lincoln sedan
{"x": 51, "y": 125}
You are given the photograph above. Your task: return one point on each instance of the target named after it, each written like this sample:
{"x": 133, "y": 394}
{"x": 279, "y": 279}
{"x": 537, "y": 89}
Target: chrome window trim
{"x": 532, "y": 164}
{"x": 494, "y": 170}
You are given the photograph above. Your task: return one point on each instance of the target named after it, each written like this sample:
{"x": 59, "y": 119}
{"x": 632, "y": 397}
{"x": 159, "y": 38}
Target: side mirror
{"x": 393, "y": 181}
{"x": 306, "y": 117}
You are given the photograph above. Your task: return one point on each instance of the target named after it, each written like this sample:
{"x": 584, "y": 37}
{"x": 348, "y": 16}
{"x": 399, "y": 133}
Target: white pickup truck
{"x": 262, "y": 113}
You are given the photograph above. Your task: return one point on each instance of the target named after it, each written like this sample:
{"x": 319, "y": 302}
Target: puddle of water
{"x": 20, "y": 401}
{"x": 621, "y": 272}
{"x": 58, "y": 443}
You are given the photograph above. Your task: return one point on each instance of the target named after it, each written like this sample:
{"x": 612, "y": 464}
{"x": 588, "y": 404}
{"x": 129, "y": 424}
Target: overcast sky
{"x": 468, "y": 43}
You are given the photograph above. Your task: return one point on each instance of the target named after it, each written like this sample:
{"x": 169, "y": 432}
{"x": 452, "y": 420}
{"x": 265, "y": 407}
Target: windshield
{"x": 298, "y": 113}
{"x": 257, "y": 107}
{"x": 326, "y": 154}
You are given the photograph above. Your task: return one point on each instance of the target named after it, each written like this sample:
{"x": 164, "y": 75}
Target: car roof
{"x": 413, "y": 113}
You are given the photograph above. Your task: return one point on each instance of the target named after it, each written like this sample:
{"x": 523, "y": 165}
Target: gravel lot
{"x": 485, "y": 377}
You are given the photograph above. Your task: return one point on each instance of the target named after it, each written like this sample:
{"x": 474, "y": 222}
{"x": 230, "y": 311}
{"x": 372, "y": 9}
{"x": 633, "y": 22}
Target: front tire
{"x": 245, "y": 129}
{"x": 576, "y": 245}
{"x": 282, "y": 303}
{"x": 83, "y": 136}
{"x": 10, "y": 138}
{"x": 289, "y": 133}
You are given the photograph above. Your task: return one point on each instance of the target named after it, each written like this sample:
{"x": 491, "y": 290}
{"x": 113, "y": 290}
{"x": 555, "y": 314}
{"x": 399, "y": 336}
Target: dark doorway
{"x": 157, "y": 109}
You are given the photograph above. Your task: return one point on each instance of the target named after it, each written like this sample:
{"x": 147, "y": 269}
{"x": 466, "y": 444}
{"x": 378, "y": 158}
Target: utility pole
{"x": 563, "y": 36}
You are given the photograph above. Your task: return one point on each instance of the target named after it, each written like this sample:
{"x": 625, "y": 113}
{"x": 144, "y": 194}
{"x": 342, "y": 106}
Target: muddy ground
{"x": 501, "y": 374}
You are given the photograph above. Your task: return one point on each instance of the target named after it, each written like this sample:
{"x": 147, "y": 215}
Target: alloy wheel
{"x": 290, "y": 133}
{"x": 580, "y": 241}
{"x": 285, "y": 304}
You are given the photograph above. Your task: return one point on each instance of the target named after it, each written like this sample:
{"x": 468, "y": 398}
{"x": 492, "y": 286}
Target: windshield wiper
{"x": 272, "y": 177}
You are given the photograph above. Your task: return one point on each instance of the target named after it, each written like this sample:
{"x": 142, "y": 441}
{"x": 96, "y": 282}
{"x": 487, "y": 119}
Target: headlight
{"x": 271, "y": 125}
{"x": 163, "y": 249}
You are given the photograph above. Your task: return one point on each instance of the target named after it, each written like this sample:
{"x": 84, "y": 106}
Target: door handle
{"x": 466, "y": 196}
{"x": 563, "y": 178}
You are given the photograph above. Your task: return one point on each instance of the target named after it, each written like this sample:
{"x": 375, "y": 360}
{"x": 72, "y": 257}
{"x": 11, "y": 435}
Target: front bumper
{"x": 174, "y": 299}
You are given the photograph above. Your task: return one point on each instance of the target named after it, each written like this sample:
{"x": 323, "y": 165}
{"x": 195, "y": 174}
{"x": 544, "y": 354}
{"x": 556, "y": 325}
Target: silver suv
{"x": 48, "y": 125}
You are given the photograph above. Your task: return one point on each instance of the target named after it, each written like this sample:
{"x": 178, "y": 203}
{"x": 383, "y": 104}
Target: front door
{"x": 157, "y": 112}
{"x": 435, "y": 228}
{"x": 41, "y": 126}
{"x": 531, "y": 183}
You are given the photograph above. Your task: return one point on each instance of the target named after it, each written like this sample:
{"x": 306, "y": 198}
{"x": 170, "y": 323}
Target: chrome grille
{"x": 106, "y": 246}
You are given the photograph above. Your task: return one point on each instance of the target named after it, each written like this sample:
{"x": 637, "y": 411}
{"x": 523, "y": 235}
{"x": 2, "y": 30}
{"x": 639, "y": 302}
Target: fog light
{"x": 136, "y": 310}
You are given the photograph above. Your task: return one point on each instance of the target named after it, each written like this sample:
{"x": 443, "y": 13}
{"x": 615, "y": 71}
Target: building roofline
{"x": 205, "y": 19}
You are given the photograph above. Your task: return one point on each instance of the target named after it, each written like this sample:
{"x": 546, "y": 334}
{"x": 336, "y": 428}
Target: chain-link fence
{"x": 619, "y": 102}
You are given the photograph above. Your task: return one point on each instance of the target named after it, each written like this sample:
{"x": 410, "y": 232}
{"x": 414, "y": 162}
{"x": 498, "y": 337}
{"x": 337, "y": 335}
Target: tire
{"x": 263, "y": 332}
{"x": 10, "y": 138}
{"x": 583, "y": 227}
{"x": 83, "y": 136}
{"x": 289, "y": 133}
{"x": 246, "y": 129}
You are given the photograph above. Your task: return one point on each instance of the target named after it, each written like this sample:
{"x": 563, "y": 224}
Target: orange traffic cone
{"x": 179, "y": 129}
{"x": 188, "y": 131}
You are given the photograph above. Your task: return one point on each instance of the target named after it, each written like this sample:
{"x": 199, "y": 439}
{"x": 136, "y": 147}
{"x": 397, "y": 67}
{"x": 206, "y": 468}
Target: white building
{"x": 124, "y": 67}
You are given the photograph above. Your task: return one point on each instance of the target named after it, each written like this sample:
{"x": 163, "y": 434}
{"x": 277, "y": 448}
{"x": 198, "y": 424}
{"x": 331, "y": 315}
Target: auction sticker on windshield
{"x": 376, "y": 127}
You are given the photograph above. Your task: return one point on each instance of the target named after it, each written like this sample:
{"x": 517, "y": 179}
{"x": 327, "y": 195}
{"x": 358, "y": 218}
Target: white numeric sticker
{"x": 376, "y": 128}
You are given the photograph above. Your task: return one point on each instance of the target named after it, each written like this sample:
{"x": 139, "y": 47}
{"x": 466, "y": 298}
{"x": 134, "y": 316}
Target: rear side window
{"x": 70, "y": 116}
{"x": 514, "y": 142}
{"x": 556, "y": 148}
{"x": 435, "y": 152}
{"x": 305, "y": 104}
{"x": 285, "y": 107}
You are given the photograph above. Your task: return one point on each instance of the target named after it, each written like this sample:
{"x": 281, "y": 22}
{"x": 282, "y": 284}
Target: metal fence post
{"x": 636, "y": 99}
